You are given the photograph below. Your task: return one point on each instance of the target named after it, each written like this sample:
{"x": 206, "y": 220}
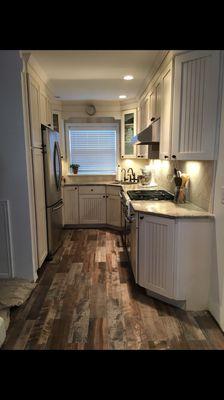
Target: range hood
{"x": 149, "y": 135}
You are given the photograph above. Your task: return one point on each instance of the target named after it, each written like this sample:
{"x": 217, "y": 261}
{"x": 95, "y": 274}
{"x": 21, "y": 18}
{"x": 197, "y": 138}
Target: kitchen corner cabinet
{"x": 195, "y": 99}
{"x": 92, "y": 209}
{"x": 40, "y": 206}
{"x": 175, "y": 259}
{"x": 71, "y": 205}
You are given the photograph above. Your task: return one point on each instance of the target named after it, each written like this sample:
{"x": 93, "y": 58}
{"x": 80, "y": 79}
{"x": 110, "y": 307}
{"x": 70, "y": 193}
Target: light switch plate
{"x": 222, "y": 194}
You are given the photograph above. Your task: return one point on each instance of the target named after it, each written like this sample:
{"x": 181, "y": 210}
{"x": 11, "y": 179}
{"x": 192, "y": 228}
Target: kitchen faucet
{"x": 132, "y": 175}
{"x": 125, "y": 178}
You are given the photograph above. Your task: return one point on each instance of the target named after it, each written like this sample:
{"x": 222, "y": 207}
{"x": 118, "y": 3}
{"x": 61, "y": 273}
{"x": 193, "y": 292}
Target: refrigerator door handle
{"x": 58, "y": 207}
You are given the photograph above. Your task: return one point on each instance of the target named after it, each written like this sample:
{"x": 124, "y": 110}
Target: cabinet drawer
{"x": 113, "y": 190}
{"x": 69, "y": 188}
{"x": 90, "y": 189}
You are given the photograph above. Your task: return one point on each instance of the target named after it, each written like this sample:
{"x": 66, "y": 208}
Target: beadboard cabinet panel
{"x": 71, "y": 205}
{"x": 156, "y": 254}
{"x": 195, "y": 105}
{"x": 92, "y": 209}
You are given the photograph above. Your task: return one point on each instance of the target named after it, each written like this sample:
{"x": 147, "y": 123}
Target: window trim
{"x": 86, "y": 126}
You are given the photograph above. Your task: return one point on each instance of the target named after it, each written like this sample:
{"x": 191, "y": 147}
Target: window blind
{"x": 94, "y": 150}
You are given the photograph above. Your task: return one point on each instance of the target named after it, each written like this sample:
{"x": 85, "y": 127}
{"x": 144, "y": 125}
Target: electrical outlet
{"x": 222, "y": 194}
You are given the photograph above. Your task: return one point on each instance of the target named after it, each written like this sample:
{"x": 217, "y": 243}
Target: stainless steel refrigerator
{"x": 53, "y": 192}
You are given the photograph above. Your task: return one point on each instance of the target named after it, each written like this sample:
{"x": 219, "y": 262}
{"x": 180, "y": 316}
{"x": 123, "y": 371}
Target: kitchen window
{"x": 93, "y": 147}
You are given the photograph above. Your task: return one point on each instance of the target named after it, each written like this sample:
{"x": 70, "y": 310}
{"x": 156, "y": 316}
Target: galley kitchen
{"x": 112, "y": 200}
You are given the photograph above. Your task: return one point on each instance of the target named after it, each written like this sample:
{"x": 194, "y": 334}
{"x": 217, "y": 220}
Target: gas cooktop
{"x": 149, "y": 195}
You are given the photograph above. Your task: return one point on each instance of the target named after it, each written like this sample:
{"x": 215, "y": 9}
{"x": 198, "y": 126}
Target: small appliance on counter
{"x": 181, "y": 186}
{"x": 148, "y": 176}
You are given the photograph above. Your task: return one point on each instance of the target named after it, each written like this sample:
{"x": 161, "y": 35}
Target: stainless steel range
{"x": 150, "y": 195}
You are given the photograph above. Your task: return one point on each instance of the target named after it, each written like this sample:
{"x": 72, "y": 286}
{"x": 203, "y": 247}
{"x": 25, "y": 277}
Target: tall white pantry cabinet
{"x": 38, "y": 168}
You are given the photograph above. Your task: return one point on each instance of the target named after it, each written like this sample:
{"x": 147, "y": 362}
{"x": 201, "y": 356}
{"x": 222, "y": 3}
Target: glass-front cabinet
{"x": 130, "y": 126}
{"x": 128, "y": 130}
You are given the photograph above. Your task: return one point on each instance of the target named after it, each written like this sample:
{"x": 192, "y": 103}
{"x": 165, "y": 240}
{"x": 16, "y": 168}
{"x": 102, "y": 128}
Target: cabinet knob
{"x": 104, "y": 197}
{"x": 166, "y": 157}
{"x": 48, "y": 124}
{"x": 141, "y": 217}
{"x": 107, "y": 196}
{"x": 141, "y": 156}
{"x": 173, "y": 156}
{"x": 91, "y": 190}
{"x": 75, "y": 188}
{"x": 122, "y": 156}
{"x": 153, "y": 118}
{"x": 138, "y": 156}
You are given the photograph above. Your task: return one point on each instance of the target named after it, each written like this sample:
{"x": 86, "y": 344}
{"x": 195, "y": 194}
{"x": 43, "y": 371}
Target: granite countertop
{"x": 163, "y": 208}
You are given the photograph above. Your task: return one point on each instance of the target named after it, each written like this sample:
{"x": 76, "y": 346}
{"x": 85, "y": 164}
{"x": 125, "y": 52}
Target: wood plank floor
{"x": 86, "y": 299}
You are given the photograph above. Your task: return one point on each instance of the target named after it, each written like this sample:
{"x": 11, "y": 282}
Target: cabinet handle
{"x": 104, "y": 197}
{"x": 141, "y": 217}
{"x": 122, "y": 156}
{"x": 166, "y": 157}
{"x": 138, "y": 156}
{"x": 173, "y": 156}
{"x": 48, "y": 124}
{"x": 141, "y": 156}
{"x": 91, "y": 190}
{"x": 75, "y": 188}
{"x": 107, "y": 196}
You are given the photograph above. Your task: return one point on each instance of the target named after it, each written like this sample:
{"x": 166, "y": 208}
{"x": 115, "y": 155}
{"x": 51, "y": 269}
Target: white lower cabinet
{"x": 176, "y": 258}
{"x": 156, "y": 254}
{"x": 113, "y": 210}
{"x": 40, "y": 206}
{"x": 92, "y": 209}
{"x": 71, "y": 205}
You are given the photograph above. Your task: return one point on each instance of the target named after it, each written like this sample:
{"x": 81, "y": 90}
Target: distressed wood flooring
{"x": 86, "y": 299}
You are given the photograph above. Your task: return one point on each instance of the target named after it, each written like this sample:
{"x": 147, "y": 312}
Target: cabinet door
{"x": 40, "y": 206}
{"x": 49, "y": 112}
{"x": 113, "y": 210}
{"x": 195, "y": 105}
{"x": 166, "y": 97}
{"x": 156, "y": 254}
{"x": 158, "y": 88}
{"x": 58, "y": 125}
{"x": 43, "y": 109}
{"x": 34, "y": 111}
{"x": 128, "y": 130}
{"x": 152, "y": 106}
{"x": 92, "y": 209}
{"x": 71, "y": 205}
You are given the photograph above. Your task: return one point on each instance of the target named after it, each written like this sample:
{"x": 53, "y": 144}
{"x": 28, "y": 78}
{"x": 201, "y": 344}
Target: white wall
{"x": 14, "y": 185}
{"x": 217, "y": 275}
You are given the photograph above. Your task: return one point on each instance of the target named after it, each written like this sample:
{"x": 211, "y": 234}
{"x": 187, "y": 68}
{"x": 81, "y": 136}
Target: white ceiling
{"x": 97, "y": 74}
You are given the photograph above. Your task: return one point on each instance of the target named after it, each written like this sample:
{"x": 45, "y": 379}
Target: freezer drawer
{"x": 54, "y": 227}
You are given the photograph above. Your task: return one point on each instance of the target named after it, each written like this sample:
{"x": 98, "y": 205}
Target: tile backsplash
{"x": 201, "y": 179}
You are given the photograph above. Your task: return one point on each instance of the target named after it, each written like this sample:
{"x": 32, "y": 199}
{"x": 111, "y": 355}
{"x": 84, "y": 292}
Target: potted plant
{"x": 74, "y": 168}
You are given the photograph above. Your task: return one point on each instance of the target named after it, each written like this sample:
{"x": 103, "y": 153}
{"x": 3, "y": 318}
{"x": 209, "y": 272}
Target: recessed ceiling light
{"x": 122, "y": 96}
{"x": 128, "y": 77}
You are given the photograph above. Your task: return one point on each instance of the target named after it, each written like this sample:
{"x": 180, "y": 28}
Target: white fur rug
{"x": 13, "y": 292}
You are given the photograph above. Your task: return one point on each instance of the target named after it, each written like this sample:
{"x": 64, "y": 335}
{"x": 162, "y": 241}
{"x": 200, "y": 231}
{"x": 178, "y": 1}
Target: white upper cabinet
{"x": 195, "y": 105}
{"x": 164, "y": 104}
{"x": 128, "y": 130}
{"x": 34, "y": 107}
